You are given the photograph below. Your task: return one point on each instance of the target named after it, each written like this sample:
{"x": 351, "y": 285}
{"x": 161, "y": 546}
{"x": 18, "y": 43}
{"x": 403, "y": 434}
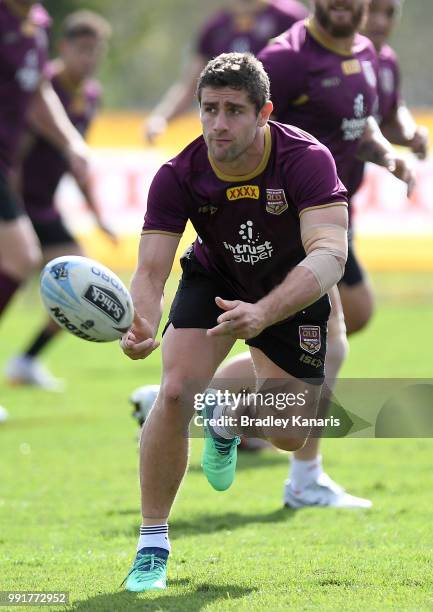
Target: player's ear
{"x": 265, "y": 113}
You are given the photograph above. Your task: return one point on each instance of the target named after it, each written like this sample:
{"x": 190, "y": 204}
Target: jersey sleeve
{"x": 314, "y": 182}
{"x": 166, "y": 211}
{"x": 286, "y": 69}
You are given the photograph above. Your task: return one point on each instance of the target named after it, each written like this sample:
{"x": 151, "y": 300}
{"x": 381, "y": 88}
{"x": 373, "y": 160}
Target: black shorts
{"x": 53, "y": 233}
{"x": 297, "y": 346}
{"x": 353, "y": 272}
{"x": 10, "y": 206}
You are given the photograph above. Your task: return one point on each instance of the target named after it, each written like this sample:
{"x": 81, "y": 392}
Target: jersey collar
{"x": 260, "y": 168}
{"x": 315, "y": 33}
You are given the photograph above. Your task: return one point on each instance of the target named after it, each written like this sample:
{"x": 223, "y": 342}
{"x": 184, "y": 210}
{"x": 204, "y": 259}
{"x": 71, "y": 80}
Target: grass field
{"x": 69, "y": 510}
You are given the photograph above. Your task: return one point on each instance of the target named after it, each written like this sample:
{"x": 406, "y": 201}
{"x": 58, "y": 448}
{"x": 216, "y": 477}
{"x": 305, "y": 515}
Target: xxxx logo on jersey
{"x": 243, "y": 192}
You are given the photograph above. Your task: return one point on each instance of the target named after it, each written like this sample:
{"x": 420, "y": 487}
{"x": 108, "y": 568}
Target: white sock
{"x": 303, "y": 473}
{"x": 154, "y": 536}
{"x": 222, "y": 429}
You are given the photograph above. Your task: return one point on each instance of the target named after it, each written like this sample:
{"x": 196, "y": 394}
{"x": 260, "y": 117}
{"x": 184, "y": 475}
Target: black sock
{"x": 40, "y": 342}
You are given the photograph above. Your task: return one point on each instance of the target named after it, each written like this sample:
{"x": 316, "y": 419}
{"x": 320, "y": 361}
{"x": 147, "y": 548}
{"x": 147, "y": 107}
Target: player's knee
{"x": 175, "y": 395}
{"x": 337, "y": 350}
{"x": 288, "y": 444}
{"x": 360, "y": 317}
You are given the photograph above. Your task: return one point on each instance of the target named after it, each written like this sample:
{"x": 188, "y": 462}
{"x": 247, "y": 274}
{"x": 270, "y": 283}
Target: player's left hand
{"x": 419, "y": 143}
{"x": 403, "y": 170}
{"x": 240, "y": 319}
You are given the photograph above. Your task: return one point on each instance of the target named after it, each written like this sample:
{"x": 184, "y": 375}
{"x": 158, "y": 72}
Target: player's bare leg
{"x": 358, "y": 305}
{"x": 234, "y": 375}
{"x": 188, "y": 355}
{"x": 190, "y": 359}
{"x": 25, "y": 368}
{"x": 308, "y": 484}
{"x": 19, "y": 256}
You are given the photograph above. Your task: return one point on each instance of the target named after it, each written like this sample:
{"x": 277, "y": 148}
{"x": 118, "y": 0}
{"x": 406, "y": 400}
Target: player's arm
{"x": 177, "y": 100}
{"x": 400, "y": 128}
{"x": 48, "y": 118}
{"x": 324, "y": 236}
{"x": 89, "y": 196}
{"x": 375, "y": 148}
{"x": 155, "y": 260}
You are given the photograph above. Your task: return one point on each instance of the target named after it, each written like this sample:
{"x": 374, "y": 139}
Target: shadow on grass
{"x": 252, "y": 460}
{"x": 208, "y": 523}
{"x": 200, "y": 596}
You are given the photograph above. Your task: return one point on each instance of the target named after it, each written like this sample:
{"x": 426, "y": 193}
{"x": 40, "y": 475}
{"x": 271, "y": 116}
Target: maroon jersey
{"x": 247, "y": 226}
{"x": 225, "y": 32}
{"x": 23, "y": 54}
{"x": 323, "y": 91}
{"x": 388, "y": 83}
{"x": 44, "y": 165}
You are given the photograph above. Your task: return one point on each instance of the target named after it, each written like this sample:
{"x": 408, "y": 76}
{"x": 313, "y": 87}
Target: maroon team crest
{"x": 276, "y": 202}
{"x": 309, "y": 338}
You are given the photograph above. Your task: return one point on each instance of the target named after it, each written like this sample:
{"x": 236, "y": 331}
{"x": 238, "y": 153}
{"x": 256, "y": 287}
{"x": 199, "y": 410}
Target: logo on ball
{"x": 106, "y": 301}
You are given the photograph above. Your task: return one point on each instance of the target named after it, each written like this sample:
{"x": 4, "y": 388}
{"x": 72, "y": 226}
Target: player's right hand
{"x": 420, "y": 142}
{"x": 154, "y": 127}
{"x": 78, "y": 154}
{"x": 138, "y": 342}
{"x": 403, "y": 170}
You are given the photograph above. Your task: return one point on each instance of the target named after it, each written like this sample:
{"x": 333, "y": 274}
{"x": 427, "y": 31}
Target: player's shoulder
{"x": 362, "y": 46}
{"x": 292, "y": 143}
{"x": 292, "y": 40}
{"x": 388, "y": 55}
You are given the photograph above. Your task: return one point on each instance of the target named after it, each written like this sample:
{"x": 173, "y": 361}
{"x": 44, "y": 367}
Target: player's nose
{"x": 220, "y": 122}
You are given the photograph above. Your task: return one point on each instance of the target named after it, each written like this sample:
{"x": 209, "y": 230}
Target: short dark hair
{"x": 238, "y": 71}
{"x": 85, "y": 23}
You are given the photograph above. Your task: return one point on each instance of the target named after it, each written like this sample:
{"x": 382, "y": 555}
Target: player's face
{"x": 340, "y": 18}
{"x": 381, "y": 20}
{"x": 229, "y": 121}
{"x": 82, "y": 55}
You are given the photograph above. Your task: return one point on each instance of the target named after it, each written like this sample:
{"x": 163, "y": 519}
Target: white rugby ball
{"x": 86, "y": 298}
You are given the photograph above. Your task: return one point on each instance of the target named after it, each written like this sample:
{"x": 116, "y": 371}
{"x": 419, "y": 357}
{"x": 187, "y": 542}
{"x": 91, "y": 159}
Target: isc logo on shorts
{"x": 242, "y": 193}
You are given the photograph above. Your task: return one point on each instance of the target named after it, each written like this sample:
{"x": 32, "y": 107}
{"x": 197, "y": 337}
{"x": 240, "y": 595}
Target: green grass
{"x": 69, "y": 509}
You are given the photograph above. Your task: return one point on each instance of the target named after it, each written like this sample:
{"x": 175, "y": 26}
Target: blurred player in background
{"x": 244, "y": 26}
{"x": 396, "y": 121}
{"x": 332, "y": 94}
{"x": 82, "y": 47}
{"x": 26, "y": 95}
{"x": 399, "y": 127}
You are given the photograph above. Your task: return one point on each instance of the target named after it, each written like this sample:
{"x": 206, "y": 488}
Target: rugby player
{"x": 271, "y": 216}
{"x": 243, "y": 26}
{"x": 396, "y": 120}
{"x": 81, "y": 49}
{"x": 323, "y": 79}
{"x": 332, "y": 93}
{"x": 25, "y": 94}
